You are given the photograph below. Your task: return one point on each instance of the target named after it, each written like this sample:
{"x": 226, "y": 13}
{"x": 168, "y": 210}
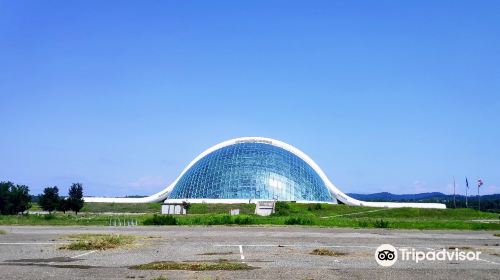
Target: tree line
{"x": 15, "y": 199}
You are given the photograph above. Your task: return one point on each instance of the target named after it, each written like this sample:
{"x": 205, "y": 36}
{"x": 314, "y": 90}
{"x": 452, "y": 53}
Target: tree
{"x": 75, "y": 197}
{"x": 5, "y": 202}
{"x": 186, "y": 205}
{"x": 14, "y": 198}
{"x": 49, "y": 200}
{"x": 20, "y": 199}
{"x": 63, "y": 205}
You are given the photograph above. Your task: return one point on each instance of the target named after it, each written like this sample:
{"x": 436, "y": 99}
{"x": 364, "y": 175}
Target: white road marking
{"x": 488, "y": 261}
{"x": 241, "y": 252}
{"x": 477, "y": 259}
{"x": 324, "y": 246}
{"x": 33, "y": 243}
{"x": 84, "y": 254}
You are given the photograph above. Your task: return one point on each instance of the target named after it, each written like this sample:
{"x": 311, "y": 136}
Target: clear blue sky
{"x": 395, "y": 96}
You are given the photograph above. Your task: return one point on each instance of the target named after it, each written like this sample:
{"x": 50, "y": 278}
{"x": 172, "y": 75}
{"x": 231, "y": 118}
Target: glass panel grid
{"x": 251, "y": 170}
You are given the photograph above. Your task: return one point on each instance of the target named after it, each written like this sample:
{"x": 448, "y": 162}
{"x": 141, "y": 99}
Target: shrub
{"x": 381, "y": 224}
{"x": 49, "y": 217}
{"x": 281, "y": 208}
{"x": 161, "y": 220}
{"x": 223, "y": 220}
{"x": 242, "y": 220}
{"x": 298, "y": 221}
{"x": 316, "y": 206}
{"x": 363, "y": 224}
{"x": 196, "y": 221}
{"x": 226, "y": 220}
{"x": 220, "y": 220}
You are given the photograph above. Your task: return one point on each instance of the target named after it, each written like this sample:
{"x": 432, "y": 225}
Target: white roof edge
{"x": 162, "y": 195}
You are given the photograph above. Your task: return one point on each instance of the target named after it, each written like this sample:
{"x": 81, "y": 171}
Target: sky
{"x": 396, "y": 96}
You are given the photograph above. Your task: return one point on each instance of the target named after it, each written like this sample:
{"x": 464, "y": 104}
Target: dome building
{"x": 252, "y": 169}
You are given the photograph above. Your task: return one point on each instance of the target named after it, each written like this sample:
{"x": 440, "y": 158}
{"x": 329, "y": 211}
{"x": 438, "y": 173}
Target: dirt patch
{"x": 327, "y": 252}
{"x": 460, "y": 248}
{"x": 82, "y": 242}
{"x": 194, "y": 266}
{"x": 51, "y": 265}
{"x": 216, "y": 253}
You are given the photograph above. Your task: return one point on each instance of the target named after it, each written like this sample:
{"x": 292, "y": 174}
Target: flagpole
{"x": 466, "y": 195}
{"x": 454, "y": 201}
{"x": 478, "y": 198}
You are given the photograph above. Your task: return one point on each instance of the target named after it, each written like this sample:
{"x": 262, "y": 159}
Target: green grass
{"x": 35, "y": 207}
{"x": 324, "y": 215}
{"x": 2, "y": 231}
{"x": 93, "y": 207}
{"x": 194, "y": 266}
{"x": 59, "y": 219}
{"x": 121, "y": 207}
{"x": 97, "y": 241}
{"x": 403, "y": 218}
{"x": 221, "y": 208}
{"x": 497, "y": 234}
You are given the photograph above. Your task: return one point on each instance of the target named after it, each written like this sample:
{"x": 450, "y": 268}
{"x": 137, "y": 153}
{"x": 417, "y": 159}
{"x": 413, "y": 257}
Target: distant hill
{"x": 489, "y": 202}
{"x": 385, "y": 196}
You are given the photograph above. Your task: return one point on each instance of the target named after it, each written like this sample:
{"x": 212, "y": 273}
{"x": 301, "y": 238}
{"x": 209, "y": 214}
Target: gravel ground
{"x": 276, "y": 253}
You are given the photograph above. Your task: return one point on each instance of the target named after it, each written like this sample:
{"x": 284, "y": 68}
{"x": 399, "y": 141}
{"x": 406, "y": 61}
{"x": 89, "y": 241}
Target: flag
{"x": 479, "y": 183}
{"x": 466, "y": 183}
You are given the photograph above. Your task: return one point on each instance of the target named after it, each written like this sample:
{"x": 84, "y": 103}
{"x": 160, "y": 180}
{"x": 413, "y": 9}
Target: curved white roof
{"x": 162, "y": 195}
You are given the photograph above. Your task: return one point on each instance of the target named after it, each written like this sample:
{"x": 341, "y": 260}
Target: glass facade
{"x": 251, "y": 170}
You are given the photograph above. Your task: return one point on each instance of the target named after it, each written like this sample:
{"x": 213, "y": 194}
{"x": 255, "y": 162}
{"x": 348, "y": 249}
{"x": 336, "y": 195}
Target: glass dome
{"x": 251, "y": 170}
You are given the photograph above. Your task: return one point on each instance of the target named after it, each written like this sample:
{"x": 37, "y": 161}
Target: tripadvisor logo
{"x": 387, "y": 255}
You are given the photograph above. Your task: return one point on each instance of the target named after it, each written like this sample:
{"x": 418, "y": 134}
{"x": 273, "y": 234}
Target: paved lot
{"x": 276, "y": 252}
